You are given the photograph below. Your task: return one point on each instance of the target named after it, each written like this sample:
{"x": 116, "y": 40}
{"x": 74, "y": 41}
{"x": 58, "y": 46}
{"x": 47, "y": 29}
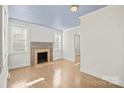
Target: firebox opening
{"x": 42, "y": 57}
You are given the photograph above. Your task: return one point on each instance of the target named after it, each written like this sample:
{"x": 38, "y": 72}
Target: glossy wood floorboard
{"x": 77, "y": 59}
{"x": 60, "y": 74}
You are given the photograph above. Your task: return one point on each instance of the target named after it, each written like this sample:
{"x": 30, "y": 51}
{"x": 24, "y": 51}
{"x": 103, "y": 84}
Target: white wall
{"x": 37, "y": 34}
{"x": 102, "y": 43}
{"x": 68, "y": 43}
{"x": 3, "y": 46}
{"x": 19, "y": 59}
{"x": 45, "y": 34}
{"x": 1, "y": 53}
{"x": 41, "y": 34}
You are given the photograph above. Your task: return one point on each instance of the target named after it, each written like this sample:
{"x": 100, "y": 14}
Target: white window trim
{"x": 11, "y": 40}
{"x": 59, "y": 42}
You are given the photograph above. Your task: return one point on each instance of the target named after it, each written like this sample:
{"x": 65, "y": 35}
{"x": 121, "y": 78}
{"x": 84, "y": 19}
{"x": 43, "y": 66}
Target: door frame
{"x": 76, "y": 34}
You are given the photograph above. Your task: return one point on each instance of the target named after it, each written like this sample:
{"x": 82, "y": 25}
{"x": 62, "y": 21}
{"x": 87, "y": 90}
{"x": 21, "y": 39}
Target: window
{"x": 18, "y": 39}
{"x": 57, "y": 42}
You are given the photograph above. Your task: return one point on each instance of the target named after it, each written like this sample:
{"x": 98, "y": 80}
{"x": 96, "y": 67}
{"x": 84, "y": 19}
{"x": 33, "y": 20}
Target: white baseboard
{"x": 117, "y": 82}
{"x": 68, "y": 59}
{"x": 19, "y": 66}
{"x": 57, "y": 58}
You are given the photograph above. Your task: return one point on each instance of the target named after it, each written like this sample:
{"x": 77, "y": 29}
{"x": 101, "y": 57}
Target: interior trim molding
{"x": 33, "y": 23}
{"x": 6, "y": 82}
{"x": 54, "y": 59}
{"x": 71, "y": 28}
{"x": 19, "y": 65}
{"x": 117, "y": 82}
{"x": 70, "y": 60}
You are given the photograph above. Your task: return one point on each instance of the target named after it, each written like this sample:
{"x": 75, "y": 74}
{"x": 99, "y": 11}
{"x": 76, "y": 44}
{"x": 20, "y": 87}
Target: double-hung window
{"x": 57, "y": 42}
{"x": 19, "y": 38}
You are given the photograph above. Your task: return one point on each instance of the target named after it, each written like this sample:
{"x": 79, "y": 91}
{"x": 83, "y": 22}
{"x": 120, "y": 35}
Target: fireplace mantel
{"x": 41, "y": 45}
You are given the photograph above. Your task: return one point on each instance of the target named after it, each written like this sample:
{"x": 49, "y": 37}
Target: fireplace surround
{"x": 41, "y": 46}
{"x": 41, "y": 55}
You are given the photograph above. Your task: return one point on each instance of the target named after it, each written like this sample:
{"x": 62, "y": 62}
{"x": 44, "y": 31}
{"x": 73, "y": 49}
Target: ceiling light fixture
{"x": 74, "y": 8}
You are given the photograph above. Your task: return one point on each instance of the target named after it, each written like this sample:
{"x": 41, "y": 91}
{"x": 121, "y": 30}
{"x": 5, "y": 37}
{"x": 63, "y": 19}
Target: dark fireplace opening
{"x": 42, "y": 57}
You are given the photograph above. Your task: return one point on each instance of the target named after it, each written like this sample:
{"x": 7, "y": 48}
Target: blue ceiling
{"x": 53, "y": 16}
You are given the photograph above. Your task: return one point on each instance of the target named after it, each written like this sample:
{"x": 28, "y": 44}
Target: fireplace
{"x": 41, "y": 55}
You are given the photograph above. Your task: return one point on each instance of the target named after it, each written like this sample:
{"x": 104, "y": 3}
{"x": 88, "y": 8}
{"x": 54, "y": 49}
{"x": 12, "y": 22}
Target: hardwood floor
{"x": 60, "y": 74}
{"x": 77, "y": 59}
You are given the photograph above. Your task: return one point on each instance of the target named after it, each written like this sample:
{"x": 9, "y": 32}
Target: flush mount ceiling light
{"x": 74, "y": 8}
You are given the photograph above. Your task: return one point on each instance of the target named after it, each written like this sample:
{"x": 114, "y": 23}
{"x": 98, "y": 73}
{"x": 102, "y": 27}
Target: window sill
{"x": 20, "y": 52}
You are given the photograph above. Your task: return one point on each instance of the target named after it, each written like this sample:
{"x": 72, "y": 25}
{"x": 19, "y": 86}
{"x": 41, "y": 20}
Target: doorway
{"x": 77, "y": 48}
